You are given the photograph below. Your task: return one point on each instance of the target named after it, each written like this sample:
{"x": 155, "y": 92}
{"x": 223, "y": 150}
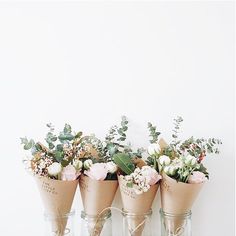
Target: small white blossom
{"x": 111, "y": 167}
{"x": 54, "y": 169}
{"x": 78, "y": 164}
{"x": 190, "y": 160}
{"x": 154, "y": 148}
{"x": 87, "y": 164}
{"x": 164, "y": 160}
{"x": 170, "y": 170}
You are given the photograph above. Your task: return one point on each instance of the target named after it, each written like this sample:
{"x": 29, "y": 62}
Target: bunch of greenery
{"x": 62, "y": 148}
{"x": 114, "y": 143}
{"x": 177, "y": 151}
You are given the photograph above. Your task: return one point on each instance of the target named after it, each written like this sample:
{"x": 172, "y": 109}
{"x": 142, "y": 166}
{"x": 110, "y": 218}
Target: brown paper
{"x": 96, "y": 196}
{"x": 57, "y": 197}
{"x": 136, "y": 204}
{"x": 162, "y": 143}
{"x": 177, "y": 198}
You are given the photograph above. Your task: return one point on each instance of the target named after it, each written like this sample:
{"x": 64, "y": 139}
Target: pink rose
{"x": 150, "y": 174}
{"x": 97, "y": 171}
{"x": 69, "y": 173}
{"x": 197, "y": 177}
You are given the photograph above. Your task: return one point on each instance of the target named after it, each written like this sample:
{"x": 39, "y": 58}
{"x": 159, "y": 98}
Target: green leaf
{"x": 59, "y": 155}
{"x": 78, "y": 135}
{"x": 67, "y": 129}
{"x": 51, "y": 145}
{"x": 64, "y": 163}
{"x": 59, "y": 147}
{"x": 129, "y": 184}
{"x": 124, "y": 162}
{"x": 64, "y": 137}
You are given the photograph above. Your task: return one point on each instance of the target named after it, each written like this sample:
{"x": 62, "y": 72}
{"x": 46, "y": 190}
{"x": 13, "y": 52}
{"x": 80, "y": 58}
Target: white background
{"x": 89, "y": 63}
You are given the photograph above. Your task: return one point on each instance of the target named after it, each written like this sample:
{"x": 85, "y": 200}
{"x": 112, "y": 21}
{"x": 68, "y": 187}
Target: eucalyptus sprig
{"x": 153, "y": 133}
{"x": 177, "y": 122}
{"x": 62, "y": 148}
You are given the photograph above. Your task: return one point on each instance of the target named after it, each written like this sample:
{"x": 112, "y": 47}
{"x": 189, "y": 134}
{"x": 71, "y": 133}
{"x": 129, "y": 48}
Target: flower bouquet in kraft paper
{"x": 98, "y": 183}
{"x": 182, "y": 170}
{"x": 138, "y": 183}
{"x": 56, "y": 168}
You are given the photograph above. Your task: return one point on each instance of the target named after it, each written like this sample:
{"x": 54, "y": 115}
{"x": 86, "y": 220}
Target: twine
{"x": 117, "y": 209}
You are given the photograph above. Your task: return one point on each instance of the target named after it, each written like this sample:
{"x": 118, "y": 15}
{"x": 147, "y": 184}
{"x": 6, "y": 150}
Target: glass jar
{"x": 59, "y": 225}
{"x": 96, "y": 225}
{"x": 175, "y": 224}
{"x": 137, "y": 224}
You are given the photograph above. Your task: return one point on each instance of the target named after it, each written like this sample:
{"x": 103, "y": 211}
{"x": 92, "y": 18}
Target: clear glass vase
{"x": 175, "y": 224}
{"x": 59, "y": 225}
{"x": 96, "y": 225}
{"x": 137, "y": 224}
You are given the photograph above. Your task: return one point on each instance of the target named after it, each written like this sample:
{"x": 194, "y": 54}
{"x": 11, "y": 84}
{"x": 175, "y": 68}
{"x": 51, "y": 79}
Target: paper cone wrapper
{"x": 137, "y": 205}
{"x": 96, "y": 196}
{"x": 57, "y": 197}
{"x": 177, "y": 198}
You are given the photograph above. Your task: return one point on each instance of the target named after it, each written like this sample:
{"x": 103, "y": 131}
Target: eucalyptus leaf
{"x": 124, "y": 162}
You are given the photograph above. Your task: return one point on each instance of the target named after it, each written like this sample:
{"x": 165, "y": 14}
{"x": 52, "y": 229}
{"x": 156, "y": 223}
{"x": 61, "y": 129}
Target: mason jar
{"x": 96, "y": 225}
{"x": 175, "y": 224}
{"x": 137, "y": 224}
{"x": 59, "y": 225}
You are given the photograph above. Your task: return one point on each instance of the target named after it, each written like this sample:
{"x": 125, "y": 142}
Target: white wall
{"x": 89, "y": 63}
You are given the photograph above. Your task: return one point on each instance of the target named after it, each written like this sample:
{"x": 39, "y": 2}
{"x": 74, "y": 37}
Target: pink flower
{"x": 150, "y": 174}
{"x": 97, "y": 171}
{"x": 197, "y": 177}
{"x": 69, "y": 173}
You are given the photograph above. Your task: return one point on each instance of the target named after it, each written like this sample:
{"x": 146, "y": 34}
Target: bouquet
{"x": 138, "y": 183}
{"x": 182, "y": 169}
{"x": 56, "y": 168}
{"x": 98, "y": 182}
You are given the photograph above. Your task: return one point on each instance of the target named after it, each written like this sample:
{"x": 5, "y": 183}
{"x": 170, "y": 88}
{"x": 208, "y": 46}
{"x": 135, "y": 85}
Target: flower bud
{"x": 111, "y": 167}
{"x": 190, "y": 160}
{"x": 87, "y": 164}
{"x": 164, "y": 160}
{"x": 78, "y": 164}
{"x": 170, "y": 170}
{"x": 54, "y": 169}
{"x": 154, "y": 148}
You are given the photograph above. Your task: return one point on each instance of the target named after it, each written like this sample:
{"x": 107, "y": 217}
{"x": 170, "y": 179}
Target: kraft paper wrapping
{"x": 96, "y": 196}
{"x": 177, "y": 198}
{"x": 137, "y": 204}
{"x": 57, "y": 197}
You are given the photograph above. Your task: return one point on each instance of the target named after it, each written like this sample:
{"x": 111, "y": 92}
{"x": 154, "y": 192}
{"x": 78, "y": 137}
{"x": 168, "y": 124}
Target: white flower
{"x": 54, "y": 169}
{"x": 190, "y": 160}
{"x": 87, "y": 164}
{"x": 170, "y": 170}
{"x": 164, "y": 160}
{"x": 111, "y": 167}
{"x": 154, "y": 148}
{"x": 177, "y": 163}
{"x": 78, "y": 164}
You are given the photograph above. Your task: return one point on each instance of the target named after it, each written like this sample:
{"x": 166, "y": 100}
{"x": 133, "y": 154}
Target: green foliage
{"x": 200, "y": 146}
{"x": 61, "y": 148}
{"x": 177, "y": 123}
{"x": 66, "y": 135}
{"x": 153, "y": 133}
{"x": 28, "y": 144}
{"x": 113, "y": 143}
{"x": 116, "y": 133}
{"x": 130, "y": 184}
{"x": 124, "y": 162}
